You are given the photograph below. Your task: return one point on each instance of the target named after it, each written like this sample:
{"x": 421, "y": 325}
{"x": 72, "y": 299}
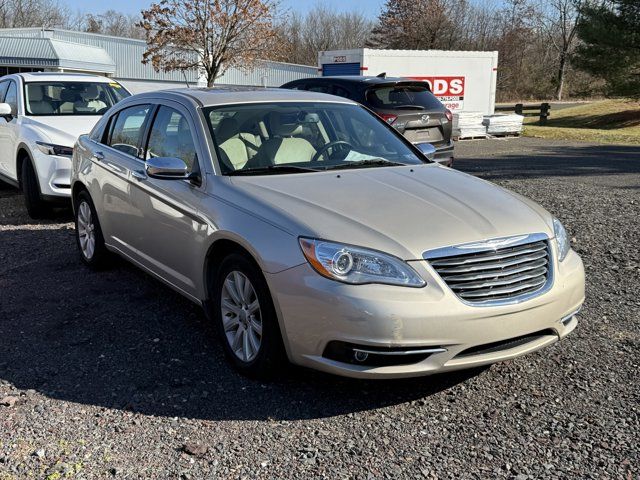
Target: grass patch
{"x": 606, "y": 121}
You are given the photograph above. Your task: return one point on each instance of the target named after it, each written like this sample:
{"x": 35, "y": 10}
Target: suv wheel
{"x": 36, "y": 207}
{"x": 88, "y": 233}
{"x": 246, "y": 319}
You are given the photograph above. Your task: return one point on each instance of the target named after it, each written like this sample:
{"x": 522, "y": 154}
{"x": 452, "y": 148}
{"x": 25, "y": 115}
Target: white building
{"x": 56, "y": 50}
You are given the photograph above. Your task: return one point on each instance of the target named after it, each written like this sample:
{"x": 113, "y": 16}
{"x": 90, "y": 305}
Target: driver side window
{"x": 128, "y": 129}
{"x": 171, "y": 137}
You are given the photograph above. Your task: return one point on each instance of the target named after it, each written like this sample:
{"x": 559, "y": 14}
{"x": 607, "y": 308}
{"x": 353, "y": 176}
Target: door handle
{"x": 138, "y": 174}
{"x": 99, "y": 156}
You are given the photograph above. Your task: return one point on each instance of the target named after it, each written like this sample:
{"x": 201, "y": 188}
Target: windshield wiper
{"x": 273, "y": 169}
{"x": 374, "y": 162}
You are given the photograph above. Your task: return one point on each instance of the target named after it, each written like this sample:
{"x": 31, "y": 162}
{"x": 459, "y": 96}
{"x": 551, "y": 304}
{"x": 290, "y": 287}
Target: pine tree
{"x": 610, "y": 35}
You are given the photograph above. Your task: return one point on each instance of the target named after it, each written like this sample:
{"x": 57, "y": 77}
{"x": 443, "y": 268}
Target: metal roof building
{"x": 37, "y": 49}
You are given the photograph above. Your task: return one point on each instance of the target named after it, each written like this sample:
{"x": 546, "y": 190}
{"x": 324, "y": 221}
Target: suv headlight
{"x": 52, "y": 149}
{"x": 561, "y": 239}
{"x": 358, "y": 266}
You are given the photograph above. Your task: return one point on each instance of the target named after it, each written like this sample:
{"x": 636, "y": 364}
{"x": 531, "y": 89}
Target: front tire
{"x": 36, "y": 206}
{"x": 88, "y": 233}
{"x": 246, "y": 320}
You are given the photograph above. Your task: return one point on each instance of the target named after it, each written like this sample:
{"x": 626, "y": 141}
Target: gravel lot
{"x": 114, "y": 375}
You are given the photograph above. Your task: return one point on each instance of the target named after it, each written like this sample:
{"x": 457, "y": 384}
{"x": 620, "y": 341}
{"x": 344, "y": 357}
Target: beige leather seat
{"x": 89, "y": 100}
{"x": 229, "y": 141}
{"x": 285, "y": 146}
{"x": 37, "y": 104}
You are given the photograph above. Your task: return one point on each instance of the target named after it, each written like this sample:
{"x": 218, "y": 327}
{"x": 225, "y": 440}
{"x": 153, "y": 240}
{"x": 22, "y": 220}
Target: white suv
{"x": 41, "y": 117}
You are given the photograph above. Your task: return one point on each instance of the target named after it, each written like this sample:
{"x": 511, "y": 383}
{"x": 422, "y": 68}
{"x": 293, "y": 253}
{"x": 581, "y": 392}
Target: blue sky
{"x": 369, "y": 7}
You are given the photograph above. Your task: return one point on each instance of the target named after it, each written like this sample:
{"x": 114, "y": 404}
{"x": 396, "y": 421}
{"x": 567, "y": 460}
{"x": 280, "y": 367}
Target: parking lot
{"x": 113, "y": 374}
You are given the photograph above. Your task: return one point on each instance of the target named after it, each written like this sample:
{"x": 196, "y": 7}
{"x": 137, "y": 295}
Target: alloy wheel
{"x": 241, "y": 316}
{"x": 86, "y": 230}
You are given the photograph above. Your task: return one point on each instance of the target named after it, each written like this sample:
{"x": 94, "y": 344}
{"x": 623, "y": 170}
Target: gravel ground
{"x": 114, "y": 375}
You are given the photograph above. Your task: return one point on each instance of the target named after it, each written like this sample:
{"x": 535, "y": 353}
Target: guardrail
{"x": 542, "y": 111}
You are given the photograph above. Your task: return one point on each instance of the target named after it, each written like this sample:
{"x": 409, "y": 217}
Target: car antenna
{"x": 382, "y": 75}
{"x": 185, "y": 79}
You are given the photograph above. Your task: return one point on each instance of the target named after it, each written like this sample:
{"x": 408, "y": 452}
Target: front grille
{"x": 489, "y": 275}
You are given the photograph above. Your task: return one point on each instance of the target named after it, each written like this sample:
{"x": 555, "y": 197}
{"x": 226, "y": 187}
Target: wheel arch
{"x": 23, "y": 153}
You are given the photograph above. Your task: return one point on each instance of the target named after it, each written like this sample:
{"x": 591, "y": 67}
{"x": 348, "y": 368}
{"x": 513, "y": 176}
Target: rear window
{"x": 403, "y": 97}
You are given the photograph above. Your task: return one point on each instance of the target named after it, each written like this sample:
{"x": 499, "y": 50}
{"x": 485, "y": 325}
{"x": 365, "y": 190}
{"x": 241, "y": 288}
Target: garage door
{"x": 333, "y": 69}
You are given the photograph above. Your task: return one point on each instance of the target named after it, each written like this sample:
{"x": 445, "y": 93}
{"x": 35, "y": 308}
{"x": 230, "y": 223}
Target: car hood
{"x": 400, "y": 210}
{"x": 63, "y": 130}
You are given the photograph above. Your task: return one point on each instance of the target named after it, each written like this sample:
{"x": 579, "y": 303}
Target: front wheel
{"x": 88, "y": 233}
{"x": 246, "y": 319}
{"x": 36, "y": 206}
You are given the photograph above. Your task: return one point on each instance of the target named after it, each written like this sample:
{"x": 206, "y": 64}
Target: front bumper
{"x": 314, "y": 311}
{"x": 54, "y": 175}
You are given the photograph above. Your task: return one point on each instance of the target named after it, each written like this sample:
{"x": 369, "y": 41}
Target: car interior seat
{"x": 89, "y": 101}
{"x": 285, "y": 144}
{"x": 37, "y": 103}
{"x": 67, "y": 98}
{"x": 229, "y": 141}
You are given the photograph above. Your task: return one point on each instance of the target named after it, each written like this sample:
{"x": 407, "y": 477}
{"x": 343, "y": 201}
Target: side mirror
{"x": 428, "y": 150}
{"x": 5, "y": 110}
{"x": 167, "y": 168}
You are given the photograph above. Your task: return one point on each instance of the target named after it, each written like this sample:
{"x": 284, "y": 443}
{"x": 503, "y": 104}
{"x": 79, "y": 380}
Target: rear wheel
{"x": 88, "y": 233}
{"x": 36, "y": 207}
{"x": 246, "y": 319}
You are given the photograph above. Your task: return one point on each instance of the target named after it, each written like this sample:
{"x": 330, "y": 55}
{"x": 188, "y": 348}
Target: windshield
{"x": 417, "y": 97}
{"x": 71, "y": 98}
{"x": 288, "y": 137}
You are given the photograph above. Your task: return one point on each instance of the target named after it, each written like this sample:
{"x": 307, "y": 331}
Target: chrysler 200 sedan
{"x": 311, "y": 231}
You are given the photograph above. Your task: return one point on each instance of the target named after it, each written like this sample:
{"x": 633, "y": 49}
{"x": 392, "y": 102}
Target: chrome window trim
{"x": 494, "y": 244}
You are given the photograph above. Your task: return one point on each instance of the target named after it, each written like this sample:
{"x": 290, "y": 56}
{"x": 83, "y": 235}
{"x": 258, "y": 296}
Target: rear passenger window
{"x": 319, "y": 88}
{"x": 171, "y": 137}
{"x": 128, "y": 129}
{"x": 341, "y": 92}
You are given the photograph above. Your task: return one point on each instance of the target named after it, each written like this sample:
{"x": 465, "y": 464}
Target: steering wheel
{"x": 327, "y": 146}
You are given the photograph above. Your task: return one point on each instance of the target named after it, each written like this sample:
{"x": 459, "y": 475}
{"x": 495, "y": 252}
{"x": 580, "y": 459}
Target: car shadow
{"x": 120, "y": 339}
{"x": 555, "y": 161}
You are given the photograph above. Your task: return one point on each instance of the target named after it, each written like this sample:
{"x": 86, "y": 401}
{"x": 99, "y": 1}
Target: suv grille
{"x": 496, "y": 275}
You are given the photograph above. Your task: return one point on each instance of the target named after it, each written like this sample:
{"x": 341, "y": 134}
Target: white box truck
{"x": 463, "y": 81}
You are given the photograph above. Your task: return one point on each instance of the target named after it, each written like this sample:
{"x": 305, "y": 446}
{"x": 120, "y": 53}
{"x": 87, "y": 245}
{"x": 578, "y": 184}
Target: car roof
{"x": 206, "y": 97}
{"x": 359, "y": 79}
{"x": 63, "y": 77}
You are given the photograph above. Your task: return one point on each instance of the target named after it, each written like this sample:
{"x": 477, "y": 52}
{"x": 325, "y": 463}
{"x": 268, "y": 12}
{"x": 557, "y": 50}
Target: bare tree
{"x": 113, "y": 23}
{"x": 209, "y": 35}
{"x": 32, "y": 13}
{"x": 559, "y": 21}
{"x": 322, "y": 29}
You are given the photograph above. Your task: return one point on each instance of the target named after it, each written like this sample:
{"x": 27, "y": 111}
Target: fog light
{"x": 360, "y": 356}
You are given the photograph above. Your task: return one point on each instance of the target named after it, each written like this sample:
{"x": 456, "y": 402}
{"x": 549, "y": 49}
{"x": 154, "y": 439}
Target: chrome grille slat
{"x": 475, "y": 258}
{"x": 494, "y": 265}
{"x": 501, "y": 281}
{"x": 501, "y": 291}
{"x": 496, "y": 273}
{"x": 483, "y": 273}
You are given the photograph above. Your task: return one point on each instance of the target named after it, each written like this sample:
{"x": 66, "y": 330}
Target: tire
{"x": 88, "y": 233}
{"x": 36, "y": 206}
{"x": 239, "y": 328}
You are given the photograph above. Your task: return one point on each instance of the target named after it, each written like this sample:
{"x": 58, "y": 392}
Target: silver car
{"x": 310, "y": 231}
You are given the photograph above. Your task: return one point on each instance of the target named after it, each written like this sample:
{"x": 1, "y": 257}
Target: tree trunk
{"x": 560, "y": 78}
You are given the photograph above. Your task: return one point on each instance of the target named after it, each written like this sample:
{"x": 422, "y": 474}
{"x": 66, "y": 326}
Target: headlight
{"x": 51, "y": 149}
{"x": 561, "y": 238}
{"x": 357, "y": 265}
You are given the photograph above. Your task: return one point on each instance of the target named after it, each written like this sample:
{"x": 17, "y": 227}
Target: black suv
{"x": 408, "y": 105}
